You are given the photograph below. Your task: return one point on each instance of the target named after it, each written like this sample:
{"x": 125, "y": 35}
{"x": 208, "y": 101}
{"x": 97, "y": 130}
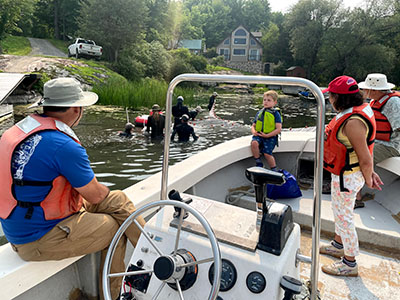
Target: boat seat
{"x": 15, "y": 272}
{"x": 261, "y": 176}
{"x": 391, "y": 164}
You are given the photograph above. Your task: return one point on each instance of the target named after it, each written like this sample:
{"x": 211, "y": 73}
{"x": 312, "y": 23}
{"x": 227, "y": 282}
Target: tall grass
{"x": 140, "y": 94}
{"x": 16, "y": 45}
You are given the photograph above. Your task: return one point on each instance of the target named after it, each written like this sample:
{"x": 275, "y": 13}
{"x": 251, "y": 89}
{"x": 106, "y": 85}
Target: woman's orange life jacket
{"x": 336, "y": 155}
{"x": 383, "y": 128}
{"x": 62, "y": 200}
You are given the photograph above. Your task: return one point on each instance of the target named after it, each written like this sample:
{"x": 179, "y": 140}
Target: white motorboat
{"x": 253, "y": 245}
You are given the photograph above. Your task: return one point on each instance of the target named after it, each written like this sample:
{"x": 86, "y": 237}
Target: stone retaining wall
{"x": 247, "y": 66}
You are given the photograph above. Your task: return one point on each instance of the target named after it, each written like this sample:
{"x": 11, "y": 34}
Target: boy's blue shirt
{"x": 43, "y": 157}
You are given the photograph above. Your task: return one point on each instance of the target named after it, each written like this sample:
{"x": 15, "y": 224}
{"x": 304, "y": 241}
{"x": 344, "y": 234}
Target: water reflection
{"x": 120, "y": 162}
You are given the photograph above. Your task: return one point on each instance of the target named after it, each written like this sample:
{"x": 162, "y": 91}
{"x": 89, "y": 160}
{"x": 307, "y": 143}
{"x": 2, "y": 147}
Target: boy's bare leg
{"x": 255, "y": 149}
{"x": 270, "y": 161}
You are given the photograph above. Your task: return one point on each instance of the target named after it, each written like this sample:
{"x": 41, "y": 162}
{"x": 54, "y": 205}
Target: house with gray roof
{"x": 241, "y": 45}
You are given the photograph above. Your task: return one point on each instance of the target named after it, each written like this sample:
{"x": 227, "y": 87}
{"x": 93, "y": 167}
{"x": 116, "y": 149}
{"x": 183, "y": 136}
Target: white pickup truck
{"x": 82, "y": 47}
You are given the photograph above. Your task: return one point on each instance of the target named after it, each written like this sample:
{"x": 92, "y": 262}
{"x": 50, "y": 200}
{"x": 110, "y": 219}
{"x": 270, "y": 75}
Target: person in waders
{"x": 184, "y": 131}
{"x": 156, "y": 123}
{"x": 179, "y": 110}
{"x": 127, "y": 133}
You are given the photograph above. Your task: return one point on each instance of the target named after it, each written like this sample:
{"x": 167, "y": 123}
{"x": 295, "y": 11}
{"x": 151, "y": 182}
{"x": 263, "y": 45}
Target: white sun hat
{"x": 65, "y": 92}
{"x": 376, "y": 81}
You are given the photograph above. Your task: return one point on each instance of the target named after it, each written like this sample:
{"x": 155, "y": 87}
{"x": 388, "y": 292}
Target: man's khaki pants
{"x": 90, "y": 230}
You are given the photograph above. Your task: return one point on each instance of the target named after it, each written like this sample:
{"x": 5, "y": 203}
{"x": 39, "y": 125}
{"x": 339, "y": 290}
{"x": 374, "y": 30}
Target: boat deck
{"x": 376, "y": 226}
{"x": 379, "y": 276}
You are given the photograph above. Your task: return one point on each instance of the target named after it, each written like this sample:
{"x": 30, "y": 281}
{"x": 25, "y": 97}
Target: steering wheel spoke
{"x": 197, "y": 262}
{"x": 178, "y": 285}
{"x": 155, "y": 296}
{"x": 139, "y": 272}
{"x": 178, "y": 232}
{"x": 149, "y": 239}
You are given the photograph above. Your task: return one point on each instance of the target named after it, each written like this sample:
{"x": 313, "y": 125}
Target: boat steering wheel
{"x": 172, "y": 262}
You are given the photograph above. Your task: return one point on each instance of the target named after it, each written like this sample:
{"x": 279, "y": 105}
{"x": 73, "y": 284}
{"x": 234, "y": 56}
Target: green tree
{"x": 11, "y": 12}
{"x": 114, "y": 25}
{"x": 362, "y": 35}
{"x": 257, "y": 14}
{"x": 159, "y": 25}
{"x": 308, "y": 23}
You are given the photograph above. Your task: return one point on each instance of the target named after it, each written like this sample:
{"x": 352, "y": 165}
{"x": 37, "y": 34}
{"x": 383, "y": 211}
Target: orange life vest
{"x": 383, "y": 128}
{"x": 336, "y": 155}
{"x": 62, "y": 200}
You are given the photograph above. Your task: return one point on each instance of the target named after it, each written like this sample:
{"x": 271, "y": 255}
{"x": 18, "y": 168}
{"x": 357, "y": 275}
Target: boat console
{"x": 173, "y": 260}
{"x": 247, "y": 272}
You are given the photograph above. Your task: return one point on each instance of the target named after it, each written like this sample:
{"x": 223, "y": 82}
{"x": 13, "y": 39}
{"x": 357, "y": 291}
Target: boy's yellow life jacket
{"x": 266, "y": 120}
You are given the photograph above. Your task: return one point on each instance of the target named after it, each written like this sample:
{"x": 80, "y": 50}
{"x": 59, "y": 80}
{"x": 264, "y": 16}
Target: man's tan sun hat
{"x": 376, "y": 81}
{"x": 65, "y": 92}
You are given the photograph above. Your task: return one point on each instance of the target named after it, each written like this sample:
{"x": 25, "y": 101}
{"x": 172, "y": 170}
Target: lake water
{"x": 120, "y": 162}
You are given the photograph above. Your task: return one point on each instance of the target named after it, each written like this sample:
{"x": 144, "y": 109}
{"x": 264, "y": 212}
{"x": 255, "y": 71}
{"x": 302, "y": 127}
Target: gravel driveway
{"x": 44, "y": 47}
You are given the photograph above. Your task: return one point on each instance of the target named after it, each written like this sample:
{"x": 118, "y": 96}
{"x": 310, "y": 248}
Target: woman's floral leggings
{"x": 343, "y": 210}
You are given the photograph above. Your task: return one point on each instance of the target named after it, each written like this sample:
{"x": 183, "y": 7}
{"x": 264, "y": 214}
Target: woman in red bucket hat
{"x": 348, "y": 146}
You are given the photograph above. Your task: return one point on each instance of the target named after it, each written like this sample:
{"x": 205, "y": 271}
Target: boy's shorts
{"x": 266, "y": 145}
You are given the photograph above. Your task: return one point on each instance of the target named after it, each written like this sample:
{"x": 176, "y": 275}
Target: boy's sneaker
{"x": 259, "y": 163}
{"x": 339, "y": 268}
{"x": 331, "y": 250}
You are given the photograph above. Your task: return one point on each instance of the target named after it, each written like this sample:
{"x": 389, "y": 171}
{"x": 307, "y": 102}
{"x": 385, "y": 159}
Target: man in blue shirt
{"x": 52, "y": 206}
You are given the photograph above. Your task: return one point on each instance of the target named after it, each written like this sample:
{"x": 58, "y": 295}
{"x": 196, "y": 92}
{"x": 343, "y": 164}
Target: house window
{"x": 225, "y": 53}
{"x": 253, "y": 42}
{"x": 254, "y": 54}
{"x": 239, "y": 52}
{"x": 240, "y": 41}
{"x": 240, "y": 32}
{"x": 226, "y": 42}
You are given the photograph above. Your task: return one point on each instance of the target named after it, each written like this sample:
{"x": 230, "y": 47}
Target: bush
{"x": 198, "y": 62}
{"x": 210, "y": 53}
{"x": 144, "y": 60}
{"x": 218, "y": 61}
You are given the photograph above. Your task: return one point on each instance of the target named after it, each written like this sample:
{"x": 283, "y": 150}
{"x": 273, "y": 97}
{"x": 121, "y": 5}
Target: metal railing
{"x": 273, "y": 80}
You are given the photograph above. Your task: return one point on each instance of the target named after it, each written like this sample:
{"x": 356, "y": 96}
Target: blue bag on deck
{"x": 289, "y": 189}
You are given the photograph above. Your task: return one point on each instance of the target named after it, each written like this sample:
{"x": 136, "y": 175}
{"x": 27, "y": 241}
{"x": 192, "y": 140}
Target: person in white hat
{"x": 52, "y": 206}
{"x": 386, "y": 106}
{"x": 179, "y": 110}
{"x": 193, "y": 113}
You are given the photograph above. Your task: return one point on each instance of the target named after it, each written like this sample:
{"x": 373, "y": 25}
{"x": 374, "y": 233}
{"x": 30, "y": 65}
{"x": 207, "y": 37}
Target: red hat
{"x": 342, "y": 85}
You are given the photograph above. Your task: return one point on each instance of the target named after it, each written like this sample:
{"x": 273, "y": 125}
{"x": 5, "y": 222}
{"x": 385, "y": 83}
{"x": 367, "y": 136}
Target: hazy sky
{"x": 284, "y": 5}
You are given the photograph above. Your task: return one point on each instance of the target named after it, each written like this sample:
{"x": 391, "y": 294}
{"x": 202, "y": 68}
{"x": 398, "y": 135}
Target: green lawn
{"x": 16, "y": 45}
{"x": 61, "y": 45}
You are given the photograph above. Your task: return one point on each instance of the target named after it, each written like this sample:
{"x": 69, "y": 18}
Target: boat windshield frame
{"x": 318, "y": 166}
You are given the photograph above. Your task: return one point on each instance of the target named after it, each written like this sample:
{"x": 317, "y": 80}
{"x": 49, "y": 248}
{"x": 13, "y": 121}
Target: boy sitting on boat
{"x": 265, "y": 129}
